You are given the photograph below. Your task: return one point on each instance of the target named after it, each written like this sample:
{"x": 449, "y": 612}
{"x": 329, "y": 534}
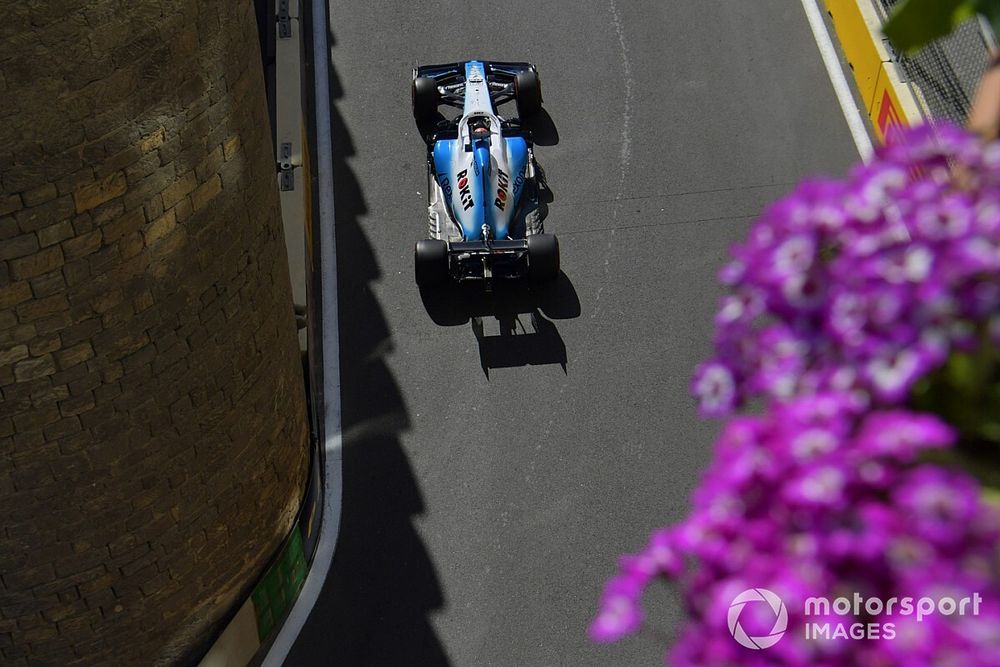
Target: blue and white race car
{"x": 481, "y": 175}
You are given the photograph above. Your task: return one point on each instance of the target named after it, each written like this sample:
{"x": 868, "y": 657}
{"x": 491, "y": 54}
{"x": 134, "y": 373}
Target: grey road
{"x": 491, "y": 481}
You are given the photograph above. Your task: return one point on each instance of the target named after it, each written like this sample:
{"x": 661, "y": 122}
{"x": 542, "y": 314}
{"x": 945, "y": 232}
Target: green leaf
{"x": 990, "y": 496}
{"x": 916, "y": 23}
{"x": 962, "y": 371}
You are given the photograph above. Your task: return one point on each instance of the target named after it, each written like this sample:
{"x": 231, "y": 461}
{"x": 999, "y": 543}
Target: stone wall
{"x": 153, "y": 439}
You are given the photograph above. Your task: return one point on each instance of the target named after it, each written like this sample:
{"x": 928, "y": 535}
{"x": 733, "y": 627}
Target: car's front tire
{"x": 430, "y": 262}
{"x": 425, "y": 97}
{"x": 528, "y": 92}
{"x": 543, "y": 258}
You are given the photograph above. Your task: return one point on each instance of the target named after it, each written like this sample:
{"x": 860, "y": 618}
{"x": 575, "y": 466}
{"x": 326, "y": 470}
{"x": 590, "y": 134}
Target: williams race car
{"x": 481, "y": 175}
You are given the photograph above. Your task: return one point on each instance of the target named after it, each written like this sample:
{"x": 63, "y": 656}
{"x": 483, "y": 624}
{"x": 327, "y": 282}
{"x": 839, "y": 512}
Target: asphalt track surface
{"x": 490, "y": 481}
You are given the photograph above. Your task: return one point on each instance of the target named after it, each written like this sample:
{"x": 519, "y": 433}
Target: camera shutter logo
{"x": 780, "y": 618}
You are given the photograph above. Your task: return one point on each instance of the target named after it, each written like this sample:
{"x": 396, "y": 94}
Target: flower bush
{"x": 864, "y": 317}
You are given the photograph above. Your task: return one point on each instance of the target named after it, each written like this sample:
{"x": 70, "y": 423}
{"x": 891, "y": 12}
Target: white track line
{"x": 332, "y": 459}
{"x": 855, "y": 122}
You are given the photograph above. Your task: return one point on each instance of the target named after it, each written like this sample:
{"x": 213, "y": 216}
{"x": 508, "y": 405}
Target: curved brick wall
{"x": 153, "y": 439}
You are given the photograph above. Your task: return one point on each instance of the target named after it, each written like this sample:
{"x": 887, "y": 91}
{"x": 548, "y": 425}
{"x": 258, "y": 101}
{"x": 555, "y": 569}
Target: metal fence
{"x": 947, "y": 71}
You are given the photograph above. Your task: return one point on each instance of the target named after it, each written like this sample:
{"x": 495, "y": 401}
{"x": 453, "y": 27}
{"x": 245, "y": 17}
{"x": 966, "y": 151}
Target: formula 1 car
{"x": 481, "y": 175}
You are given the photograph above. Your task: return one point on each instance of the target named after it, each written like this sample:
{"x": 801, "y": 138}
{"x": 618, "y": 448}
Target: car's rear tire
{"x": 528, "y": 92}
{"x": 543, "y": 258}
{"x": 430, "y": 262}
{"x": 425, "y": 97}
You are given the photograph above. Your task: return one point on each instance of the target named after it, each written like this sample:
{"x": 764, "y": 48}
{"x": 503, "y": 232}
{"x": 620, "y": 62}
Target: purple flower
{"x": 780, "y": 360}
{"x": 794, "y": 255}
{"x": 831, "y": 410}
{"x": 891, "y": 376}
{"x": 733, "y": 272}
{"x": 662, "y": 553}
{"x": 986, "y": 217}
{"x": 901, "y": 435}
{"x": 940, "y": 503}
{"x": 885, "y": 273}
{"x": 847, "y": 317}
{"x": 743, "y": 306}
{"x": 817, "y": 487}
{"x": 912, "y": 264}
{"x": 845, "y": 295}
{"x": 715, "y": 388}
{"x": 638, "y": 568}
{"x": 977, "y": 255}
{"x": 864, "y": 533}
{"x": 619, "y": 613}
{"x": 981, "y": 299}
{"x": 948, "y": 219}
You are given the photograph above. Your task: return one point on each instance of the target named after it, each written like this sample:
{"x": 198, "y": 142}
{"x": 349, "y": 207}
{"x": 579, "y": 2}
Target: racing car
{"x": 481, "y": 175}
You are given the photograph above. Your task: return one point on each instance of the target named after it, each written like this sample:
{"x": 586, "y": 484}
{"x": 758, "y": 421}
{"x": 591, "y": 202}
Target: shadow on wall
{"x": 382, "y": 586}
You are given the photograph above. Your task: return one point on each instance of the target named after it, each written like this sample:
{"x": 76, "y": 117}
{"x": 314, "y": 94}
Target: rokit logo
{"x": 463, "y": 189}
{"x": 503, "y": 182}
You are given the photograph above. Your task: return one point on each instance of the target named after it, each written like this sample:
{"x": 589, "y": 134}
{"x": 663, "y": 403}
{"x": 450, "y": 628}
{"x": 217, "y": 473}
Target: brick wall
{"x": 153, "y": 441}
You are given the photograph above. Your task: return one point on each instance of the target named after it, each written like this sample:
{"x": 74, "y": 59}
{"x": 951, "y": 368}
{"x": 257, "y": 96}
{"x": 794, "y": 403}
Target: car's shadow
{"x": 543, "y": 129}
{"x": 512, "y": 323}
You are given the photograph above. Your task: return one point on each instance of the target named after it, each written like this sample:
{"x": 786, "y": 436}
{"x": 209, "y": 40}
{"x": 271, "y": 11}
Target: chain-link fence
{"x": 947, "y": 71}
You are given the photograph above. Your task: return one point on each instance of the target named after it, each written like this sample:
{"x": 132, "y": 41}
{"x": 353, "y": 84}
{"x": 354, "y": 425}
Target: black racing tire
{"x": 543, "y": 258}
{"x": 528, "y": 92}
{"x": 430, "y": 262}
{"x": 425, "y": 97}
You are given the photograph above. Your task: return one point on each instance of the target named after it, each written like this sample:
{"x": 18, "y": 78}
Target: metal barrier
{"x": 946, "y": 72}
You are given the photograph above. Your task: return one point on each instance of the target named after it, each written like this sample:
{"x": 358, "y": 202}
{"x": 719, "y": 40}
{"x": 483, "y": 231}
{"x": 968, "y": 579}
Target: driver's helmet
{"x": 479, "y": 128}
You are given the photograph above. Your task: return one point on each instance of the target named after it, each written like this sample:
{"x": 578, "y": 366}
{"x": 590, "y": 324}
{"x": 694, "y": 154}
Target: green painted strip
{"x": 276, "y": 591}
